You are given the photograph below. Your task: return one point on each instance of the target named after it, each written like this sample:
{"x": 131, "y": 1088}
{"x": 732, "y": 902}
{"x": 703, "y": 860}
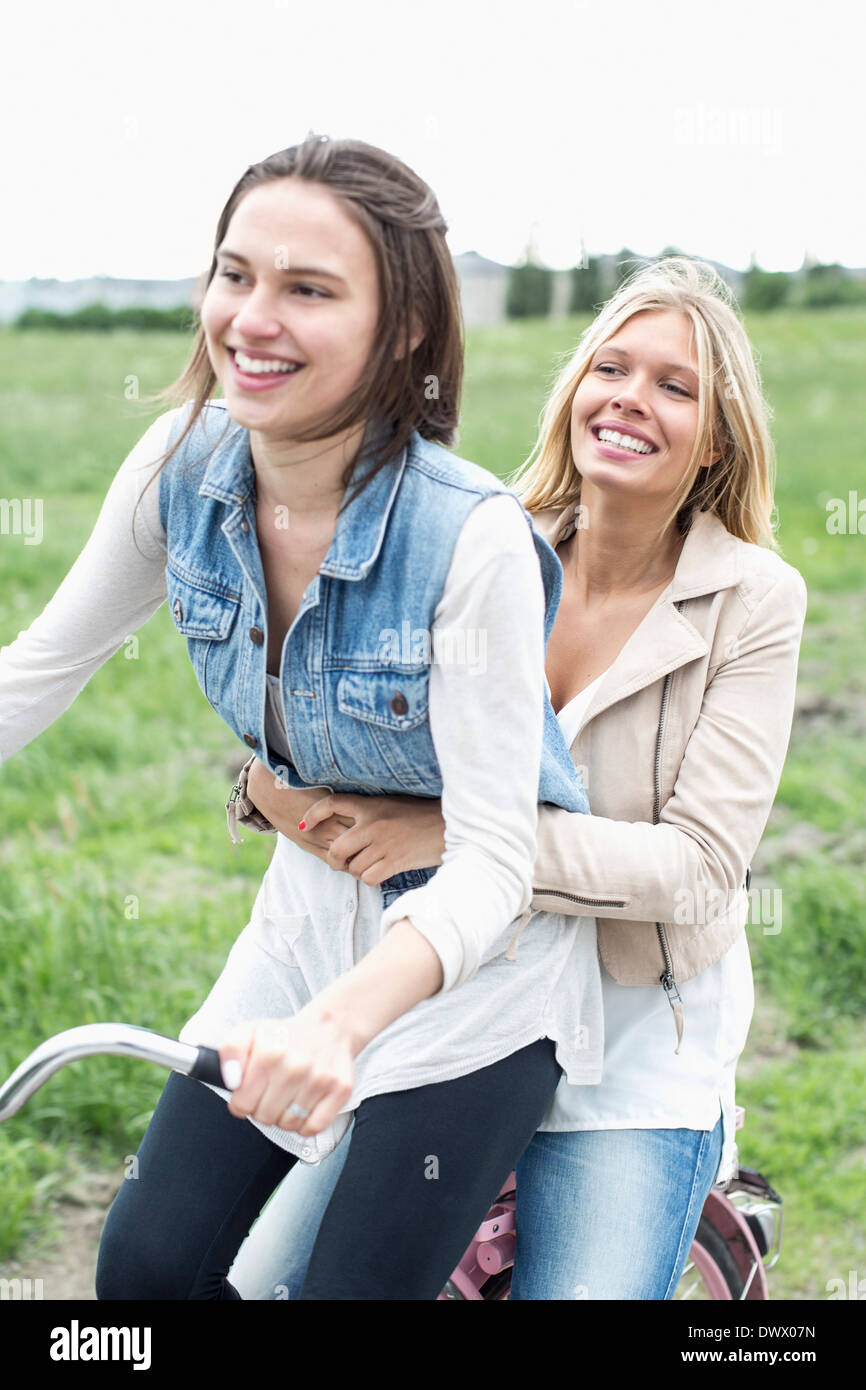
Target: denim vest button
{"x": 370, "y": 733}
{"x": 257, "y": 636}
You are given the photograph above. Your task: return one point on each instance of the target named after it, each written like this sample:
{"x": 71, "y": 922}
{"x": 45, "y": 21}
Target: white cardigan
{"x": 645, "y": 1084}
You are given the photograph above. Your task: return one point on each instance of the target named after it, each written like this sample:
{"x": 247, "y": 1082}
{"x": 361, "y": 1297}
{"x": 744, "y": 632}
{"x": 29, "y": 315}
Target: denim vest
{"x": 356, "y": 660}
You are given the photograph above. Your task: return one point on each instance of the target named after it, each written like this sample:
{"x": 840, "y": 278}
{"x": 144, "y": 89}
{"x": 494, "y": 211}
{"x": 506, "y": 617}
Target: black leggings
{"x": 423, "y": 1167}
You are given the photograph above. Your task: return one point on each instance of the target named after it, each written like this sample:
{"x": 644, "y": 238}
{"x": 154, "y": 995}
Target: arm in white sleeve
{"x": 486, "y": 720}
{"x": 110, "y": 591}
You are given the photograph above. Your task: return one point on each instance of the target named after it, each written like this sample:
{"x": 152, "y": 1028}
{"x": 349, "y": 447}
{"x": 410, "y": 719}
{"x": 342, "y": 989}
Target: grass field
{"x": 120, "y": 892}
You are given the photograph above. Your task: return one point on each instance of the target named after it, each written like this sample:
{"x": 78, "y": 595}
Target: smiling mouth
{"x": 620, "y": 440}
{"x": 263, "y": 366}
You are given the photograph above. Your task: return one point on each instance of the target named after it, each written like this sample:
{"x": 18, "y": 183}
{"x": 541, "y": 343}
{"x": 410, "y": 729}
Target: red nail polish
{"x": 302, "y": 825}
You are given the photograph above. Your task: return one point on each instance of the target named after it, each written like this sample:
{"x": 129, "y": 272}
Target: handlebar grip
{"x": 207, "y": 1067}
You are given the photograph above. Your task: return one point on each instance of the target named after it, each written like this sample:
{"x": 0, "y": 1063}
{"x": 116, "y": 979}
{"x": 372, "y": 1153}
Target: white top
{"x": 308, "y": 924}
{"x": 645, "y": 1084}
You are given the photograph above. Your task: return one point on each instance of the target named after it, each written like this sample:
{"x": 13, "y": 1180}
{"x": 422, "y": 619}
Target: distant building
{"x": 483, "y": 287}
{"x": 65, "y": 296}
{"x": 483, "y": 290}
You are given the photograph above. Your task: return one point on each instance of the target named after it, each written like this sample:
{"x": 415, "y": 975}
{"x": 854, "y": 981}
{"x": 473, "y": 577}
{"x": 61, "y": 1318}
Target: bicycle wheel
{"x": 711, "y": 1273}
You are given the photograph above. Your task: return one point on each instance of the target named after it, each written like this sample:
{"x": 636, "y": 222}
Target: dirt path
{"x": 65, "y": 1260}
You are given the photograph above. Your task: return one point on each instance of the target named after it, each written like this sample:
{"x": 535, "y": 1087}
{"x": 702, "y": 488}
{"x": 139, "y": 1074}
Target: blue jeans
{"x": 398, "y": 884}
{"x": 601, "y": 1214}
{"x": 635, "y": 1198}
{"x": 272, "y": 1262}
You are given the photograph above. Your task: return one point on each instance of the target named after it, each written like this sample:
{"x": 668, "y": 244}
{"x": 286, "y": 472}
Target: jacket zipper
{"x": 573, "y": 897}
{"x": 668, "y": 983}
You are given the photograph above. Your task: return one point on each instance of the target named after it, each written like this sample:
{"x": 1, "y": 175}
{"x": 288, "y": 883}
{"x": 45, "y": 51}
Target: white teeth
{"x": 625, "y": 441}
{"x": 261, "y": 366}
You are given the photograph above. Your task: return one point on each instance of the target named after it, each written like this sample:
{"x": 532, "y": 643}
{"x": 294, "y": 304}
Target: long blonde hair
{"x": 733, "y": 414}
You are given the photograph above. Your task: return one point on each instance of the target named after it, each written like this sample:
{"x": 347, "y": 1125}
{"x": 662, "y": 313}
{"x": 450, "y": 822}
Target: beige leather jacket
{"x": 681, "y": 749}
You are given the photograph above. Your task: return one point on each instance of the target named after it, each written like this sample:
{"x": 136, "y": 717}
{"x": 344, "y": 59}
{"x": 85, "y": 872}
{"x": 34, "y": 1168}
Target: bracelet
{"x": 241, "y": 811}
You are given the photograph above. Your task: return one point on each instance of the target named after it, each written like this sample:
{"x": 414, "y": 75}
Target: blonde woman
{"x": 672, "y": 667}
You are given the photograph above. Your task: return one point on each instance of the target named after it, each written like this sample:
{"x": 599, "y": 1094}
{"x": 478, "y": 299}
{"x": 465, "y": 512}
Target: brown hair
{"x": 418, "y": 291}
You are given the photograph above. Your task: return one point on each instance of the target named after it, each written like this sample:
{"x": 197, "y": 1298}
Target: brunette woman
{"x": 298, "y": 527}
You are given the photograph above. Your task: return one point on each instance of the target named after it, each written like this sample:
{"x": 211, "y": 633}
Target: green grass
{"x": 120, "y": 892}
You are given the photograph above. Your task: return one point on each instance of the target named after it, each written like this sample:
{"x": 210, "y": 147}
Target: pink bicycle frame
{"x": 492, "y": 1247}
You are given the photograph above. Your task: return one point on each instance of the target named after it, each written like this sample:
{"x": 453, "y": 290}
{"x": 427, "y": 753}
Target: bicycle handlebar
{"x": 111, "y": 1039}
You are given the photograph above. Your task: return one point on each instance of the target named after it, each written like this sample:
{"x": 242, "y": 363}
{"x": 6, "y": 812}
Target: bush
{"x": 764, "y": 289}
{"x": 96, "y": 318}
{"x": 36, "y": 318}
{"x": 530, "y": 292}
{"x": 587, "y": 290}
{"x": 828, "y": 285}
{"x": 100, "y": 318}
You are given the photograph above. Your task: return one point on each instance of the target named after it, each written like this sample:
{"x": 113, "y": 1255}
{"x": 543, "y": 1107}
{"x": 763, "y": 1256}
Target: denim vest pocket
{"x": 392, "y": 697}
{"x": 203, "y": 615}
{"x": 388, "y": 709}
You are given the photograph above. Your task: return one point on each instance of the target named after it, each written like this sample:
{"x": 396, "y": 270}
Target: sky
{"x": 730, "y": 131}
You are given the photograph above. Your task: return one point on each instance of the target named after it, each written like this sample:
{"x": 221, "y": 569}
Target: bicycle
{"x": 738, "y": 1237}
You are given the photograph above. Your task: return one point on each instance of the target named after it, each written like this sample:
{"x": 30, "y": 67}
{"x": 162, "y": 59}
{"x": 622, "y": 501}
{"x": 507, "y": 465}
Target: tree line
{"x": 529, "y": 295}
{"x": 530, "y": 286}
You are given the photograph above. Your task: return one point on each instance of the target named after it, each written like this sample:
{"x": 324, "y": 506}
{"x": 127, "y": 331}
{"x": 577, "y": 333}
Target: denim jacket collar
{"x": 361, "y": 525}
{"x": 230, "y": 477}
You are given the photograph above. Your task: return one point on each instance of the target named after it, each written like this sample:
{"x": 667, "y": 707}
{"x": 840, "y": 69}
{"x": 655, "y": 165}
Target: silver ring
{"x": 295, "y": 1109}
